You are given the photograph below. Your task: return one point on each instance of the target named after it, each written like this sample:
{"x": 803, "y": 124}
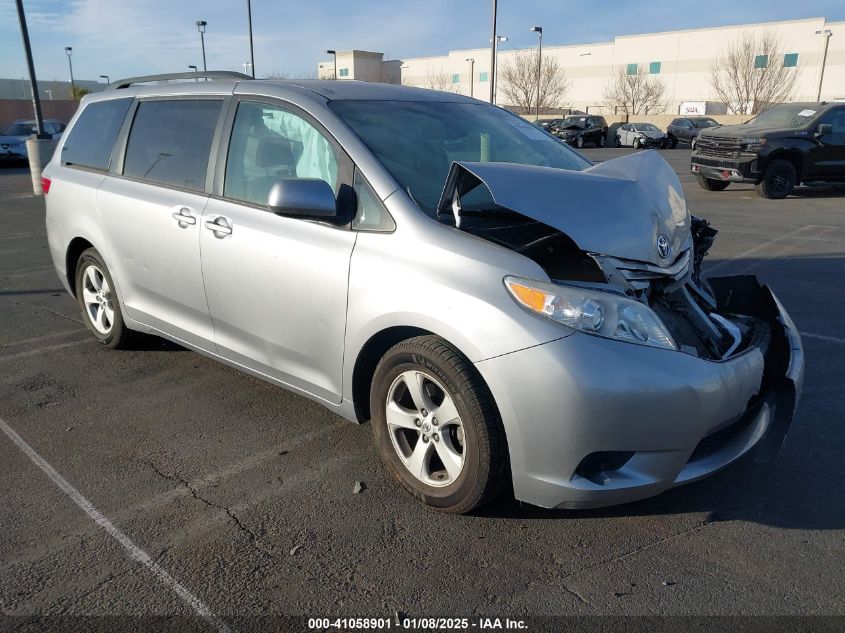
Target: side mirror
{"x": 824, "y": 128}
{"x": 303, "y": 197}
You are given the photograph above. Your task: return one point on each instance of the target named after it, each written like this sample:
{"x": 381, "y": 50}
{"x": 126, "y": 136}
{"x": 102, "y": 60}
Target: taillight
{"x": 45, "y": 185}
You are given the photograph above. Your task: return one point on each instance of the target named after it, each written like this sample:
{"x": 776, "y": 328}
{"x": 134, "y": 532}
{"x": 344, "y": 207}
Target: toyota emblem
{"x": 664, "y": 249}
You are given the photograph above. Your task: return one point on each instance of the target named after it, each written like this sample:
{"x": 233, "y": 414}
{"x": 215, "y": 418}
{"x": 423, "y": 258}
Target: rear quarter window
{"x": 91, "y": 140}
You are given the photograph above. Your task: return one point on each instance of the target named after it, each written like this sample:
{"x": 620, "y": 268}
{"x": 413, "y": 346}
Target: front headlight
{"x": 592, "y": 311}
{"x": 755, "y": 142}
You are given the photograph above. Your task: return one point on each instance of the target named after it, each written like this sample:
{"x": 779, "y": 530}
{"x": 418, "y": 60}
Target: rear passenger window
{"x": 90, "y": 142}
{"x": 170, "y": 142}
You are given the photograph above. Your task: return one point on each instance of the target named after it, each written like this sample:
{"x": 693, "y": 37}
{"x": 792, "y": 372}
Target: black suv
{"x": 581, "y": 128}
{"x": 780, "y": 148}
{"x": 686, "y": 129}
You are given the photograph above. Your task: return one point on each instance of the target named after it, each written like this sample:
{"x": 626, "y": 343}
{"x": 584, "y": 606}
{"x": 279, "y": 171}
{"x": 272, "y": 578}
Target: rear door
{"x": 150, "y": 210}
{"x": 277, "y": 286}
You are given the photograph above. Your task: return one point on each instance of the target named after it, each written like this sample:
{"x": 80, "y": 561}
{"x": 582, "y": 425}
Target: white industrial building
{"x": 684, "y": 60}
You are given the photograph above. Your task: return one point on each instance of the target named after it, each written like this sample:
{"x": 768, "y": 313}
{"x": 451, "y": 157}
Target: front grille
{"x": 715, "y": 442}
{"x": 727, "y": 147}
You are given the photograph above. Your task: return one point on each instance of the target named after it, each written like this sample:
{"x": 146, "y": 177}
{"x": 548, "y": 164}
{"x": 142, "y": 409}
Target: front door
{"x": 828, "y": 158}
{"x": 150, "y": 213}
{"x": 277, "y": 286}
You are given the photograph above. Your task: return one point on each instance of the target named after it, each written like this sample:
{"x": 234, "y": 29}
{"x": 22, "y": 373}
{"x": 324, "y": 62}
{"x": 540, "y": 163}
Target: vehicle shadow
{"x": 822, "y": 191}
{"x": 32, "y": 291}
{"x": 799, "y": 488}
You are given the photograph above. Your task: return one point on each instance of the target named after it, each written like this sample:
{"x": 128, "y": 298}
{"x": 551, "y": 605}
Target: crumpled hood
{"x": 653, "y": 133}
{"x": 619, "y": 207}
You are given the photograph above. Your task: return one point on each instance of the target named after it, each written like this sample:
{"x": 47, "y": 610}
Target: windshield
{"x": 704, "y": 123}
{"x": 19, "y": 129}
{"x": 417, "y": 141}
{"x": 575, "y": 122}
{"x": 791, "y": 115}
{"x": 645, "y": 127}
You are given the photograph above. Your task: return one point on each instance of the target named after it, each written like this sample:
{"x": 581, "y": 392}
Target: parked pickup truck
{"x": 779, "y": 149}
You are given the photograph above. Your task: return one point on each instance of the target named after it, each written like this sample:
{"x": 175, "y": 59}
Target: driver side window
{"x": 269, "y": 143}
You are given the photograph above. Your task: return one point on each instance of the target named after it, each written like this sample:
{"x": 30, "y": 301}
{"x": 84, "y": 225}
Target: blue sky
{"x": 135, "y": 37}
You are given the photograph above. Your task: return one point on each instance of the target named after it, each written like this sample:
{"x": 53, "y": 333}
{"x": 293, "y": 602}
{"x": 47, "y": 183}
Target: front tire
{"x": 673, "y": 142}
{"x": 779, "y": 179}
{"x": 618, "y": 142}
{"x": 579, "y": 142}
{"x": 436, "y": 427}
{"x": 602, "y": 141}
{"x": 97, "y": 298}
{"x": 636, "y": 143}
{"x": 712, "y": 185}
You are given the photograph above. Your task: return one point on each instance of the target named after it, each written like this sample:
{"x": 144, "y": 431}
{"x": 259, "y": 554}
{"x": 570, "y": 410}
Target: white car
{"x": 639, "y": 135}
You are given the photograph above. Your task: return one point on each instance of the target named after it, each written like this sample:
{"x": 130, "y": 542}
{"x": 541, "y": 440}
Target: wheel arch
{"x": 76, "y": 247}
{"x": 791, "y": 155}
{"x": 372, "y": 351}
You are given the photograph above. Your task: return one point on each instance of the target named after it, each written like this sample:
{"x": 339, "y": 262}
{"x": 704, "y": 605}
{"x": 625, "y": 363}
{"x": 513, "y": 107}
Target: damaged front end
{"x": 622, "y": 227}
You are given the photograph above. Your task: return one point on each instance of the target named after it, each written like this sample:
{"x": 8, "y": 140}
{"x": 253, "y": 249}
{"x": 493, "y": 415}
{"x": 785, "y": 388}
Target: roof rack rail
{"x": 208, "y": 74}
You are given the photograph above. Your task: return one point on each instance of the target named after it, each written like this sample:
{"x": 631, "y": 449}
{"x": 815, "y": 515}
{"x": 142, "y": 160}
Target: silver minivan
{"x": 505, "y": 313}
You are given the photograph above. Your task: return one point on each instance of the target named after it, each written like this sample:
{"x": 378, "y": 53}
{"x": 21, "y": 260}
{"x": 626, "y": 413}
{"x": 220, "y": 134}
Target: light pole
{"x": 106, "y": 77}
{"x": 246, "y": 65}
{"x": 334, "y": 55}
{"x": 539, "y": 31}
{"x": 49, "y": 93}
{"x": 471, "y": 73}
{"x": 827, "y": 34}
{"x": 493, "y": 79}
{"x": 194, "y": 68}
{"x": 251, "y": 54}
{"x": 493, "y": 55}
{"x": 201, "y": 24}
{"x": 69, "y": 53}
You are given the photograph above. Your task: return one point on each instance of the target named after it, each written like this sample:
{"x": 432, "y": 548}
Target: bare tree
{"x": 281, "y": 75}
{"x": 638, "y": 93}
{"x": 439, "y": 80}
{"x": 750, "y": 76}
{"x": 518, "y": 81}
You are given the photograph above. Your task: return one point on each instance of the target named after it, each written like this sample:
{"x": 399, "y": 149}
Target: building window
{"x": 761, "y": 61}
{"x": 654, "y": 68}
{"x": 790, "y": 60}
{"x": 632, "y": 69}
{"x": 343, "y": 72}
{"x": 456, "y": 78}
{"x": 482, "y": 76}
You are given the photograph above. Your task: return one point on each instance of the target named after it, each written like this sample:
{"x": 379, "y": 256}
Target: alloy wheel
{"x": 425, "y": 428}
{"x": 98, "y": 299}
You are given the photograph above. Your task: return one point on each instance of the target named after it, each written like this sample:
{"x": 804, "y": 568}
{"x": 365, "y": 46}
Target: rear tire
{"x": 673, "y": 142}
{"x": 779, "y": 179}
{"x": 602, "y": 141}
{"x": 618, "y": 142}
{"x": 453, "y": 464}
{"x": 96, "y": 295}
{"x": 712, "y": 185}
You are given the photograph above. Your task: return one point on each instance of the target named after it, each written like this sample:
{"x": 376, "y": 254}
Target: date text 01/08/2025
{"x": 411, "y": 624}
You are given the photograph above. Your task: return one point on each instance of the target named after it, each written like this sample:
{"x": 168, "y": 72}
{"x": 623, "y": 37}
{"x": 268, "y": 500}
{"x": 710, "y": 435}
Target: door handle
{"x": 184, "y": 218}
{"x": 219, "y": 226}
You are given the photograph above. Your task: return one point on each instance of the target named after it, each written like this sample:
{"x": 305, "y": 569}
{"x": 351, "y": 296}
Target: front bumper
{"x": 680, "y": 418}
{"x": 742, "y": 169}
{"x": 16, "y": 154}
{"x": 649, "y": 142}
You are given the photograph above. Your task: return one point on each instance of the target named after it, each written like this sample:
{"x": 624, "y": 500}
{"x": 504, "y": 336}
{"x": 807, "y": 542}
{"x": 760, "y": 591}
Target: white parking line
{"x": 823, "y": 337}
{"x": 134, "y": 551}
{"x": 41, "y": 350}
{"x": 759, "y": 247}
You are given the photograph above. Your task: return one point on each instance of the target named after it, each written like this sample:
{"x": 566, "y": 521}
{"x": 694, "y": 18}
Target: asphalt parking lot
{"x": 243, "y": 494}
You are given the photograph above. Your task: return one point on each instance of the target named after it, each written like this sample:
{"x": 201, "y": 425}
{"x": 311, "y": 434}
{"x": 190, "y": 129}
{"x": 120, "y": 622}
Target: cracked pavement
{"x": 243, "y": 492}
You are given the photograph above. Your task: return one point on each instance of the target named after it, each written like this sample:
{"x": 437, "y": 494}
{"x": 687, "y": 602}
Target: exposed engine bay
{"x": 713, "y": 319}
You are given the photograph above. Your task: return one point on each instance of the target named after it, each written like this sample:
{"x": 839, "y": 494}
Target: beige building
{"x": 683, "y": 60}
